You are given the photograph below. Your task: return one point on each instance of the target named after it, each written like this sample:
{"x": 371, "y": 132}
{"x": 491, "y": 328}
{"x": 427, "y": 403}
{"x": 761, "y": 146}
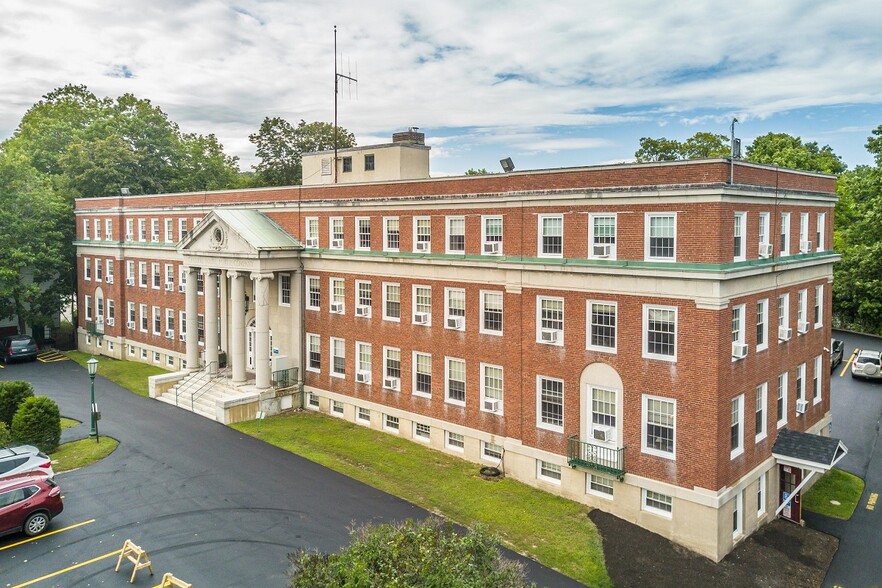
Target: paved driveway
{"x": 213, "y": 506}
{"x": 857, "y": 409}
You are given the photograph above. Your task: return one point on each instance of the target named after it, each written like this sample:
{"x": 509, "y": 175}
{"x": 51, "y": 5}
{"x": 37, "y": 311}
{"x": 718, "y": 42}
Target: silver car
{"x": 867, "y": 364}
{"x": 24, "y": 458}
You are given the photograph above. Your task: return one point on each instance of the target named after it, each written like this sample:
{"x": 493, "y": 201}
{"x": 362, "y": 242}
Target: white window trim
{"x": 592, "y": 236}
{"x": 447, "y": 234}
{"x": 358, "y": 366}
{"x": 613, "y": 442}
{"x": 306, "y": 294}
{"x": 539, "y": 423}
{"x": 357, "y": 301}
{"x": 308, "y": 222}
{"x": 819, "y": 302}
{"x": 742, "y": 328}
{"x": 644, "y": 413}
{"x": 593, "y": 492}
{"x": 539, "y": 235}
{"x": 784, "y": 229}
{"x": 359, "y": 419}
{"x": 393, "y": 319}
{"x": 801, "y": 310}
{"x": 761, "y": 490}
{"x": 87, "y": 269}
{"x": 783, "y": 422}
{"x": 543, "y": 477}
{"x": 290, "y": 289}
{"x": 413, "y": 375}
{"x": 484, "y": 396}
{"x": 764, "y": 228}
{"x": 331, "y": 231}
{"x": 414, "y": 306}
{"x": 386, "y": 350}
{"x": 332, "y": 357}
{"x": 803, "y": 227}
{"x": 646, "y": 236}
{"x": 309, "y": 337}
{"x": 447, "y": 314}
{"x": 539, "y": 328}
{"x": 386, "y": 247}
{"x": 765, "y": 304}
{"x": 651, "y": 509}
{"x": 481, "y": 328}
{"x": 784, "y": 318}
{"x": 820, "y": 229}
{"x": 646, "y": 353}
{"x": 416, "y": 220}
{"x": 817, "y": 380}
{"x": 386, "y": 426}
{"x": 765, "y": 403}
{"x": 358, "y": 220}
{"x": 733, "y": 453}
{"x": 420, "y": 438}
{"x": 738, "y": 531}
{"x": 588, "y": 325}
{"x": 332, "y": 282}
{"x": 741, "y": 221}
{"x": 484, "y": 219}
{"x": 490, "y": 458}
{"x": 447, "y": 397}
{"x": 451, "y": 447}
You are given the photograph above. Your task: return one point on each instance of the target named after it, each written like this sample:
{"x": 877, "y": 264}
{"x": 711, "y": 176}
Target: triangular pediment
{"x": 238, "y": 233}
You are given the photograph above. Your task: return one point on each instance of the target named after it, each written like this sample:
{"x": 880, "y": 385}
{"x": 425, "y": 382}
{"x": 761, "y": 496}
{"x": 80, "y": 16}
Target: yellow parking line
{"x": 848, "y": 363}
{"x": 47, "y": 534}
{"x": 115, "y": 552}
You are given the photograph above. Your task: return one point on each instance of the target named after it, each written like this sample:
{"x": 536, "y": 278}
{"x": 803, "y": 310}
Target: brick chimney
{"x": 412, "y": 136}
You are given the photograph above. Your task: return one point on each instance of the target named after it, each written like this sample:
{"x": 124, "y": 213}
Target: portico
{"x": 237, "y": 253}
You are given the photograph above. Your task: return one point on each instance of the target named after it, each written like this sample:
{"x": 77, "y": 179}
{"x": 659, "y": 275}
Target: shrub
{"x": 427, "y": 553}
{"x": 11, "y": 395}
{"x": 5, "y": 436}
{"x": 37, "y": 422}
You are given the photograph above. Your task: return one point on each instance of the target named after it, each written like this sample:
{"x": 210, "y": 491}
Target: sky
{"x": 549, "y": 84}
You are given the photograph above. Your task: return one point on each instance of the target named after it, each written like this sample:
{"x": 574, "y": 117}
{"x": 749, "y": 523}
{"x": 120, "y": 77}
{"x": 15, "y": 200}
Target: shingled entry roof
{"x": 808, "y": 449}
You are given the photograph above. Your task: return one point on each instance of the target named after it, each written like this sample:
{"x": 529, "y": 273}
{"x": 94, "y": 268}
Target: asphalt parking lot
{"x": 212, "y": 506}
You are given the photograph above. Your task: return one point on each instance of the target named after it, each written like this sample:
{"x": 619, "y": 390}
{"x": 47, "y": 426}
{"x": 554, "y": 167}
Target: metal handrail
{"x": 286, "y": 378}
{"x": 192, "y": 382}
{"x": 221, "y": 374}
{"x": 597, "y": 457}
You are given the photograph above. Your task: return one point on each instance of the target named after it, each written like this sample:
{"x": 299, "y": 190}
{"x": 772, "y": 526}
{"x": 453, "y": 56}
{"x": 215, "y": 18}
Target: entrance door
{"x": 791, "y": 477}
{"x": 249, "y": 345}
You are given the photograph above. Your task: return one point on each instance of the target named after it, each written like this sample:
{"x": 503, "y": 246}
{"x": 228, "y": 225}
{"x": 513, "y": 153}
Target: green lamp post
{"x": 92, "y": 365}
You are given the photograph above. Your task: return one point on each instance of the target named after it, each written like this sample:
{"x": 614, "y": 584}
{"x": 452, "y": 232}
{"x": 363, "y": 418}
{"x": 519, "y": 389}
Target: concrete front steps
{"x": 212, "y": 397}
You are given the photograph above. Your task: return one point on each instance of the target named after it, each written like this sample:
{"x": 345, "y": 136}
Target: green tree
{"x": 874, "y": 145}
{"x": 12, "y": 394}
{"x": 789, "y": 151}
{"x": 477, "y": 172}
{"x": 659, "y": 150}
{"x": 280, "y": 148}
{"x": 203, "y": 165}
{"x": 425, "y": 554}
{"x": 5, "y": 435}
{"x": 36, "y": 233}
{"x": 703, "y": 145}
{"x": 37, "y": 422}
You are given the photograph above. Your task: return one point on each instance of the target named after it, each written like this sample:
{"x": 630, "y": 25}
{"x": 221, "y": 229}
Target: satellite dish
{"x": 507, "y": 164}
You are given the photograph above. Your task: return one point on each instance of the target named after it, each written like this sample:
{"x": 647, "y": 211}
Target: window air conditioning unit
{"x": 130, "y": 325}
{"x": 182, "y": 288}
{"x": 739, "y": 350}
{"x": 391, "y": 383}
{"x": 602, "y": 250}
{"x": 550, "y": 335}
{"x": 765, "y": 250}
{"x": 155, "y": 238}
{"x": 312, "y": 242}
{"x": 169, "y": 286}
{"x": 801, "y": 406}
{"x": 492, "y": 247}
{"x": 805, "y": 246}
{"x": 337, "y": 307}
{"x": 362, "y": 310}
{"x": 454, "y": 322}
{"x": 182, "y": 337}
{"x": 421, "y": 318}
{"x": 363, "y": 377}
{"x": 130, "y": 237}
{"x": 803, "y": 327}
{"x": 110, "y": 321}
{"x": 423, "y": 245}
{"x": 784, "y": 333}
{"x": 169, "y": 334}
{"x": 602, "y": 433}
{"x": 130, "y": 281}
{"x": 337, "y": 243}
{"x": 491, "y": 404}
{"x": 108, "y": 279}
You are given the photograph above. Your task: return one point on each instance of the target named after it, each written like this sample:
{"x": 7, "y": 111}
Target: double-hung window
{"x": 131, "y": 316}
{"x": 144, "y": 320}
{"x": 805, "y": 245}
{"x": 170, "y": 322}
{"x": 422, "y": 234}
{"x": 108, "y": 230}
{"x": 455, "y": 234}
{"x": 819, "y": 302}
{"x": 739, "y": 348}
{"x": 97, "y": 229}
{"x": 658, "y": 503}
{"x": 603, "y": 414}
{"x": 736, "y": 427}
{"x": 422, "y": 374}
{"x": 284, "y": 289}
{"x": 491, "y": 237}
{"x": 336, "y": 230}
{"x": 99, "y": 269}
{"x": 314, "y": 352}
{"x": 659, "y": 426}
{"x": 422, "y": 305}
{"x": 762, "y": 324}
{"x": 157, "y": 320}
{"x": 820, "y": 225}
{"x": 781, "y": 401}
{"x": 363, "y": 232}
{"x": 142, "y": 229}
{"x": 454, "y": 308}
{"x": 455, "y": 381}
{"x": 549, "y": 320}
{"x": 491, "y": 312}
{"x": 157, "y": 277}
{"x": 182, "y": 228}
{"x": 130, "y": 229}
{"x": 87, "y": 229}
{"x": 313, "y": 293}
{"x": 602, "y": 236}
{"x": 601, "y": 326}
{"x": 338, "y": 295}
{"x": 740, "y": 234}
{"x": 338, "y": 357}
{"x": 802, "y": 324}
{"x": 169, "y": 230}
{"x": 87, "y": 266}
{"x": 363, "y": 355}
{"x": 760, "y": 411}
{"x": 661, "y": 236}
{"x": 816, "y": 381}
{"x": 130, "y": 273}
{"x": 783, "y": 317}
{"x": 391, "y": 367}
{"x": 550, "y": 235}
{"x": 169, "y": 276}
{"x": 491, "y": 388}
{"x": 312, "y": 232}
{"x": 800, "y": 382}
{"x": 660, "y": 332}
{"x": 142, "y": 270}
{"x": 765, "y": 247}
{"x": 785, "y": 234}
{"x": 154, "y": 230}
{"x": 392, "y": 302}
{"x": 549, "y": 403}
{"x": 88, "y": 305}
{"x": 391, "y": 233}
{"x": 363, "y": 298}
{"x": 547, "y": 471}
{"x": 182, "y": 321}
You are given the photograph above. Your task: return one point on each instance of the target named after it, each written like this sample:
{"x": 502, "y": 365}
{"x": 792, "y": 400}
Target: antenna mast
{"x": 337, "y": 77}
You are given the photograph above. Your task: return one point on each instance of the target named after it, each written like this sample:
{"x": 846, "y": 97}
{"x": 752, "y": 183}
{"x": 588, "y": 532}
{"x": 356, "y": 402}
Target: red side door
{"x": 791, "y": 477}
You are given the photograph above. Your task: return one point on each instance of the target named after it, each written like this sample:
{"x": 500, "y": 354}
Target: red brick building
{"x": 632, "y": 337}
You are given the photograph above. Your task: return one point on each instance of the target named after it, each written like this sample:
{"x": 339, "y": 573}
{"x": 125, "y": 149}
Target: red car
{"x": 28, "y": 502}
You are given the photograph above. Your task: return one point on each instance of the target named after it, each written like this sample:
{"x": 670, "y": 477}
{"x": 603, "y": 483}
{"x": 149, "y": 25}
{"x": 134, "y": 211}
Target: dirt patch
{"x": 779, "y": 555}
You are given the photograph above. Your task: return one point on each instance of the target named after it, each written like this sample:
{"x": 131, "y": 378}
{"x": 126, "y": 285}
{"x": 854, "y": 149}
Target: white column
{"x": 237, "y": 326}
{"x": 192, "y": 310}
{"x": 261, "y": 330}
{"x": 209, "y": 279}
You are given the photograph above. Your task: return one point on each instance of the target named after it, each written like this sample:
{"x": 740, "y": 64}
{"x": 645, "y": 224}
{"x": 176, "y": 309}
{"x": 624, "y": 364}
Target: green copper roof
{"x": 257, "y": 229}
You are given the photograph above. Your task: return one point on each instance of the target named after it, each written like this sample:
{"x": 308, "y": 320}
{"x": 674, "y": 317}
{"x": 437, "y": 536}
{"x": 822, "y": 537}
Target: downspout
{"x": 302, "y": 310}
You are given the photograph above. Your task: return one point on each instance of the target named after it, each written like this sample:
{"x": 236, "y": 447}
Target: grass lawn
{"x": 844, "y": 488}
{"x": 131, "y": 375}
{"x": 77, "y": 454}
{"x": 67, "y": 423}
{"x": 551, "y": 529}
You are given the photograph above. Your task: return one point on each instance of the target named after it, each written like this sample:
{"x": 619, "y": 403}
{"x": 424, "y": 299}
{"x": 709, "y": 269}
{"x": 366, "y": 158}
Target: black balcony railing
{"x": 284, "y": 378}
{"x": 609, "y": 460}
{"x": 95, "y": 328}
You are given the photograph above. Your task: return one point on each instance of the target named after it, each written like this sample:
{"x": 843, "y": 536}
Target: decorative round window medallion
{"x": 218, "y": 238}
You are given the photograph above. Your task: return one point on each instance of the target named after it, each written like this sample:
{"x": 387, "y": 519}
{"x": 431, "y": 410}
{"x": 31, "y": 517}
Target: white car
{"x": 24, "y": 458}
{"x": 867, "y": 364}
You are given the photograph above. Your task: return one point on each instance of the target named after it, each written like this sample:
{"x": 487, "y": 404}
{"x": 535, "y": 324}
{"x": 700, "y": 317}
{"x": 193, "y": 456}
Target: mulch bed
{"x": 778, "y": 555}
